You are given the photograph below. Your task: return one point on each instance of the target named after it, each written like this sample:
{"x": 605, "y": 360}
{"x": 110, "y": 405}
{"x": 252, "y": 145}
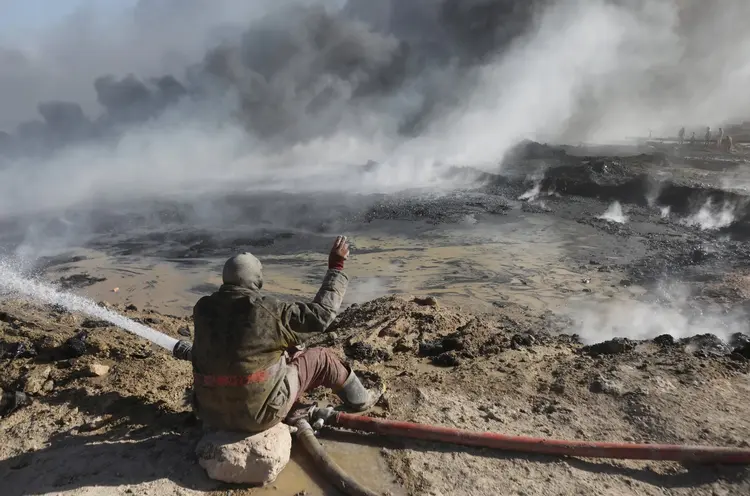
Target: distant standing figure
{"x": 728, "y": 144}
{"x": 681, "y": 136}
{"x": 721, "y": 137}
{"x": 692, "y": 139}
{"x": 708, "y": 136}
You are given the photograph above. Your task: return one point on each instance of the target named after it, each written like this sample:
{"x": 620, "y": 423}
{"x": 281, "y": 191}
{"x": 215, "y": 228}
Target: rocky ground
{"x": 512, "y": 372}
{"x": 108, "y": 414}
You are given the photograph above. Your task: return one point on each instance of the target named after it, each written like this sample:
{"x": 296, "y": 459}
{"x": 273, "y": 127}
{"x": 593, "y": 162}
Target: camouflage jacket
{"x": 242, "y": 381}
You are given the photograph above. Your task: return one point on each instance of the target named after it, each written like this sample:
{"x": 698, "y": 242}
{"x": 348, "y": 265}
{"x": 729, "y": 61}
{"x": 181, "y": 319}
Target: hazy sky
{"x": 21, "y": 18}
{"x": 21, "y": 15}
{"x": 582, "y": 70}
{"x": 55, "y": 49}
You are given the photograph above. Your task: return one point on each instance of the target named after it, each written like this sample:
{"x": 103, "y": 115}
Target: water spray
{"x": 12, "y": 282}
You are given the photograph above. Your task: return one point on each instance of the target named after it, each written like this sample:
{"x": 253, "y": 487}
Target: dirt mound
{"x": 641, "y": 181}
{"x": 79, "y": 281}
{"x": 108, "y": 409}
{"x": 511, "y": 372}
{"x": 385, "y": 328}
{"x": 89, "y": 384}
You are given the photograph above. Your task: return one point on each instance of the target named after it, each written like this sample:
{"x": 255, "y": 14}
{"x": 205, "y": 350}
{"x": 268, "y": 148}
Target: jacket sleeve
{"x": 306, "y": 319}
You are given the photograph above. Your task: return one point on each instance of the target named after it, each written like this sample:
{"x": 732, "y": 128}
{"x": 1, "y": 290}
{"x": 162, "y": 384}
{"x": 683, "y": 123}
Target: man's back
{"x": 241, "y": 377}
{"x": 242, "y": 327}
{"x": 237, "y": 357}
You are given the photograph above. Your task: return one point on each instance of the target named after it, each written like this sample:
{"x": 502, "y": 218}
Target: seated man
{"x": 244, "y": 377}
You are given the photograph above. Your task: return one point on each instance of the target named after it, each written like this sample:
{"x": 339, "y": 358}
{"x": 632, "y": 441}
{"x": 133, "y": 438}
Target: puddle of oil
{"x": 361, "y": 461}
{"x": 521, "y": 262}
{"x": 146, "y": 284}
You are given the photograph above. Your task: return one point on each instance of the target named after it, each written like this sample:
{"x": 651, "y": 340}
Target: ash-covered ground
{"x": 650, "y": 217}
{"x": 518, "y": 275}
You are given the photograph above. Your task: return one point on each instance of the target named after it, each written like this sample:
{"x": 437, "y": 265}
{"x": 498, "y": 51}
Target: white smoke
{"x": 614, "y": 213}
{"x": 533, "y": 193}
{"x": 364, "y": 289}
{"x": 679, "y": 317}
{"x": 709, "y": 217}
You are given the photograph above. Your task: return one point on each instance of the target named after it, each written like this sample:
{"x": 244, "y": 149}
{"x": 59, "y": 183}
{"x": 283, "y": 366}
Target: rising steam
{"x": 677, "y": 315}
{"x": 532, "y": 194}
{"x": 614, "y": 213}
{"x": 711, "y": 217}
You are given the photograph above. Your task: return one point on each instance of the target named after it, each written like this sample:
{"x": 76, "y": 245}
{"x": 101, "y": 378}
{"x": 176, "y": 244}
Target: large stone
{"x": 236, "y": 458}
{"x": 97, "y": 370}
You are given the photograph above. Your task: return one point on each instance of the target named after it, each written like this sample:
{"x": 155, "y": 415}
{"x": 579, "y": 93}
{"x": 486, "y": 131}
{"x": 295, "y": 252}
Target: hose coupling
{"x": 301, "y": 426}
{"x": 318, "y": 417}
{"x": 183, "y": 350}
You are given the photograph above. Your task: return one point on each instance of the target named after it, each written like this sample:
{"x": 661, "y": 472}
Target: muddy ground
{"x": 493, "y": 339}
{"x": 129, "y": 431}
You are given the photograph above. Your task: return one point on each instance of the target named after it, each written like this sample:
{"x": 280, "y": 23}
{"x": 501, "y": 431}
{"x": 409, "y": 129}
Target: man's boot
{"x": 356, "y": 397}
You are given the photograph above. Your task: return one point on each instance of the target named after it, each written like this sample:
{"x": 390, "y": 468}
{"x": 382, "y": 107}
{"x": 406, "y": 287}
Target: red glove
{"x": 339, "y": 253}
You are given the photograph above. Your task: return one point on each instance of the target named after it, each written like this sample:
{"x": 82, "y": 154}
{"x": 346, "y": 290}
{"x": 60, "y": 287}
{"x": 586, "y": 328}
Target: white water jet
{"x": 614, "y": 213}
{"x": 13, "y": 284}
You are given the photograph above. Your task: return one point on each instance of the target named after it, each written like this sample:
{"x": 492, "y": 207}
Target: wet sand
{"x": 529, "y": 261}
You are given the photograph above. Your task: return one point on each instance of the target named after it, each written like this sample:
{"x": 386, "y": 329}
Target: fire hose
{"x": 318, "y": 417}
{"x": 585, "y": 449}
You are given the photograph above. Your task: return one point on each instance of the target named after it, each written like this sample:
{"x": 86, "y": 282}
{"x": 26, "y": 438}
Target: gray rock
{"x": 237, "y": 458}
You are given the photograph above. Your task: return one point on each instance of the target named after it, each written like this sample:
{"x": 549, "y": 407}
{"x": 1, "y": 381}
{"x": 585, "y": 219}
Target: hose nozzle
{"x": 183, "y": 350}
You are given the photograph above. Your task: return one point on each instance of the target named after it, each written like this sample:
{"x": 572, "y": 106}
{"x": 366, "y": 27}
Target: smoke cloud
{"x": 183, "y": 97}
{"x": 675, "y": 313}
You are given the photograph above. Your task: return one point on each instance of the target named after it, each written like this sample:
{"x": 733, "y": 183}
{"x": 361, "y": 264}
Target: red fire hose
{"x": 702, "y": 454}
